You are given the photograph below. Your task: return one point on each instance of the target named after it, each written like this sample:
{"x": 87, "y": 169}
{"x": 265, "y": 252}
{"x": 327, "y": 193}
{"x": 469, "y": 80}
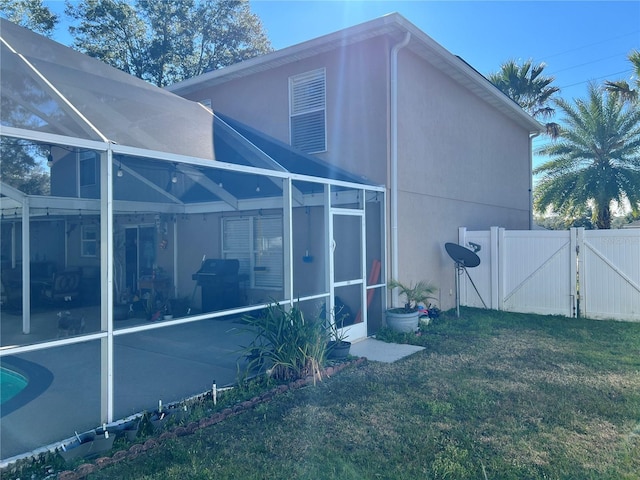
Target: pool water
{"x": 11, "y": 384}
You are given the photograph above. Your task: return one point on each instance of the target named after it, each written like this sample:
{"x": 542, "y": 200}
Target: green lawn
{"x": 494, "y": 395}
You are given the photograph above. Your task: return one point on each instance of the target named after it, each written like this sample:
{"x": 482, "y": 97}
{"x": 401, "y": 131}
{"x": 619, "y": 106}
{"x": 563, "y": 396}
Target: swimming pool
{"x": 21, "y": 382}
{"x": 11, "y": 384}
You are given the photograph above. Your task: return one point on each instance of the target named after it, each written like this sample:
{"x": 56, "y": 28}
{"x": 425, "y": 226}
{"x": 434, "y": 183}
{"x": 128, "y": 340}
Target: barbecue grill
{"x": 219, "y": 283}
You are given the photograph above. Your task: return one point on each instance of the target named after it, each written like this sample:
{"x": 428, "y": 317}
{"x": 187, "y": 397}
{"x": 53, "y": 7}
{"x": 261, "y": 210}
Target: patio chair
{"x": 64, "y": 287}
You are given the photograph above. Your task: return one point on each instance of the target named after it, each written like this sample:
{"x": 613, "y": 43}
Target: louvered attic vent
{"x": 307, "y": 111}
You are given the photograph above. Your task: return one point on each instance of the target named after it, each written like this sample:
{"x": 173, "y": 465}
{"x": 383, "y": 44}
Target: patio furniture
{"x": 64, "y": 287}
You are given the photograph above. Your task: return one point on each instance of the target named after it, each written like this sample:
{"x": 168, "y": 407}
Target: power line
{"x": 594, "y": 43}
{"x": 586, "y": 63}
{"x": 609, "y": 75}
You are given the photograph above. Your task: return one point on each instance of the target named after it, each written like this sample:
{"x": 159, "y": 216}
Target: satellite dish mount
{"x": 464, "y": 259}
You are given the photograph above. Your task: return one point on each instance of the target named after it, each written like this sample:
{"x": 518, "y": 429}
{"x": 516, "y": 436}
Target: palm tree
{"x": 596, "y": 159}
{"x": 526, "y": 86}
{"x": 621, "y": 88}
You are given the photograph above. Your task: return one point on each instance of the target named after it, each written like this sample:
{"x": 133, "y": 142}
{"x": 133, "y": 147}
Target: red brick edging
{"x": 180, "y": 431}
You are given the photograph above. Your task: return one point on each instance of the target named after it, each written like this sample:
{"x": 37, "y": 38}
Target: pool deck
{"x": 149, "y": 367}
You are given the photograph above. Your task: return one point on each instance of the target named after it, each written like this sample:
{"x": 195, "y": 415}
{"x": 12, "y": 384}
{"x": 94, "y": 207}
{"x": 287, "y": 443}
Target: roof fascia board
{"x": 457, "y": 68}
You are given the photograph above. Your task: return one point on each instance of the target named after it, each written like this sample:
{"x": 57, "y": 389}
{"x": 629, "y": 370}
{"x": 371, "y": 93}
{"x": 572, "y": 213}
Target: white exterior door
{"x": 347, "y": 229}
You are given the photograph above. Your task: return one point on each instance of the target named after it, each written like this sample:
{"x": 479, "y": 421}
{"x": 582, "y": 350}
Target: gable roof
{"x": 395, "y": 26}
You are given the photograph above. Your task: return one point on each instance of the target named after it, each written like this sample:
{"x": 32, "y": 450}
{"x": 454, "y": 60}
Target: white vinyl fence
{"x": 578, "y": 272}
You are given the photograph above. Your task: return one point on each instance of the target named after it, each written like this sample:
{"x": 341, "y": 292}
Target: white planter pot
{"x": 403, "y": 322}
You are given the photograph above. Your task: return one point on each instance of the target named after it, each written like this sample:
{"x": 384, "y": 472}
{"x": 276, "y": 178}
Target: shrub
{"x": 286, "y": 344}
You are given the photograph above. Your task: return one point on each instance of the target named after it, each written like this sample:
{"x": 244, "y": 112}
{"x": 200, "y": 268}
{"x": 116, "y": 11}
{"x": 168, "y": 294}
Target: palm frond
{"x": 595, "y": 160}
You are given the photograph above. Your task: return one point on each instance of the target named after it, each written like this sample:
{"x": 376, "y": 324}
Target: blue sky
{"x": 580, "y": 41}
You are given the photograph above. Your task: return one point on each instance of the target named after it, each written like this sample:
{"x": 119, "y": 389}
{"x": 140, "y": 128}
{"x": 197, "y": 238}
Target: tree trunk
{"x": 603, "y": 221}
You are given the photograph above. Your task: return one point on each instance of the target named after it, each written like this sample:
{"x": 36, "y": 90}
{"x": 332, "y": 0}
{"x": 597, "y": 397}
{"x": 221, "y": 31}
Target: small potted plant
{"x": 406, "y": 318}
{"x": 338, "y": 347}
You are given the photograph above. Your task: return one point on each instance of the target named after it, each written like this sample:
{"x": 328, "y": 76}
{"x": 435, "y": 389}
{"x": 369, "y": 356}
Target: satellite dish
{"x": 462, "y": 255}
{"x": 464, "y": 259}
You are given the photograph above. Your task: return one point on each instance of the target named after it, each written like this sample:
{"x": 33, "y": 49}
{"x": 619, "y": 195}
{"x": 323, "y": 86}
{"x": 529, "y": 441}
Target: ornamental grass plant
{"x": 287, "y": 345}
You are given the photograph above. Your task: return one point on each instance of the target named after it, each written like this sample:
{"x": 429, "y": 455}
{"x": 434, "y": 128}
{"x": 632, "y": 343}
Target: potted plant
{"x": 406, "y": 318}
{"x": 338, "y": 346}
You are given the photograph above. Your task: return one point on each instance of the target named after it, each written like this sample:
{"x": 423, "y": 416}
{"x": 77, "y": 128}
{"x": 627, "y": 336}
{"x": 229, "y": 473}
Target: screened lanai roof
{"x": 49, "y": 88}
{"x": 289, "y": 158}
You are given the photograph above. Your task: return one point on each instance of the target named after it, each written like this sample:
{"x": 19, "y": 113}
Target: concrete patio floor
{"x": 168, "y": 364}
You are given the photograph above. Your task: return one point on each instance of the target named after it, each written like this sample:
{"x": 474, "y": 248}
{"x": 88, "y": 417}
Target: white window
{"x": 89, "y": 241}
{"x": 256, "y": 241}
{"x": 307, "y": 108}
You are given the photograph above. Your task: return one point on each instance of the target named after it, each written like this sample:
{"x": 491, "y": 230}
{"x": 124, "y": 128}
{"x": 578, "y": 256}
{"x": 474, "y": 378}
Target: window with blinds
{"x": 307, "y": 104}
{"x": 256, "y": 241}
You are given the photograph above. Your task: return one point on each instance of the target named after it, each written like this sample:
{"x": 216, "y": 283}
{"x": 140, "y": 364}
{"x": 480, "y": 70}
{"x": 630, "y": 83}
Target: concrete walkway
{"x": 379, "y": 351}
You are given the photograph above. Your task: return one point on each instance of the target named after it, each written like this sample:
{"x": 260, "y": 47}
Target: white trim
{"x": 52, "y": 138}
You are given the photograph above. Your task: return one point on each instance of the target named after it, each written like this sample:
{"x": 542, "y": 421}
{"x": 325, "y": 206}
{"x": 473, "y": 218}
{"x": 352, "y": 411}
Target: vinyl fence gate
{"x": 577, "y": 272}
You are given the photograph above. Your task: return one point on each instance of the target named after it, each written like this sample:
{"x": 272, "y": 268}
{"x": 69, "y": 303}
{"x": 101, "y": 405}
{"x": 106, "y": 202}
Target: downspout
{"x": 531, "y": 137}
{"x": 394, "y": 158}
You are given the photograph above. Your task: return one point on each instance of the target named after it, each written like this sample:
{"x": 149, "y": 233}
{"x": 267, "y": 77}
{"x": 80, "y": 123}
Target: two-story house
{"x": 385, "y": 101}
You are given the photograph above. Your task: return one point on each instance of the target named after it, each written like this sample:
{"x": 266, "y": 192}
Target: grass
{"x": 494, "y": 395}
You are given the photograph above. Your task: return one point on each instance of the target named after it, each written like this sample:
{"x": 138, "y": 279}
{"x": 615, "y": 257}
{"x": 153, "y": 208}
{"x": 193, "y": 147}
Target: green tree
{"x": 622, "y": 88}
{"x": 18, "y": 165}
{"x": 20, "y": 169}
{"x": 31, "y": 14}
{"x": 164, "y": 42}
{"x": 595, "y": 160}
{"x": 527, "y": 86}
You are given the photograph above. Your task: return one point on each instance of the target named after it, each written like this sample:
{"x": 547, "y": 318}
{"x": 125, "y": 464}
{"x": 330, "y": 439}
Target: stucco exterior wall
{"x": 356, "y": 98}
{"x": 461, "y": 163}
